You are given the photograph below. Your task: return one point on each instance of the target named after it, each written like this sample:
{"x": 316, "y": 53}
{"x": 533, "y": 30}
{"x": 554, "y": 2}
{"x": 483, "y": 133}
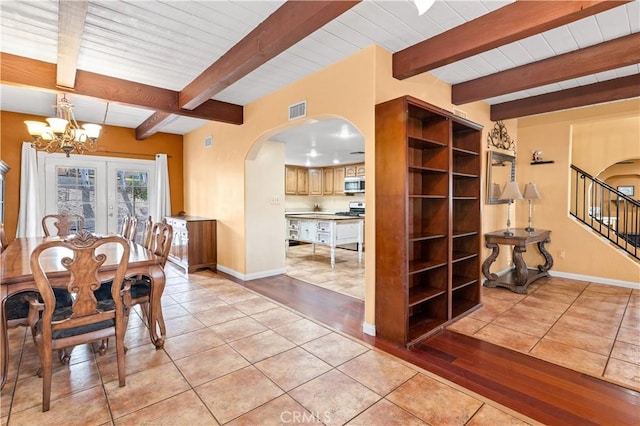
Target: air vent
{"x": 459, "y": 113}
{"x": 298, "y": 110}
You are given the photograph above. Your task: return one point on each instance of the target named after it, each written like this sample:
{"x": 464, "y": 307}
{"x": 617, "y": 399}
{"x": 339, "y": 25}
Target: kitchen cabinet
{"x": 302, "y": 187}
{"x": 290, "y": 180}
{"x": 338, "y": 180}
{"x": 328, "y": 175}
{"x": 354, "y": 170}
{"x": 315, "y": 181}
{"x": 194, "y": 244}
{"x": 428, "y": 199}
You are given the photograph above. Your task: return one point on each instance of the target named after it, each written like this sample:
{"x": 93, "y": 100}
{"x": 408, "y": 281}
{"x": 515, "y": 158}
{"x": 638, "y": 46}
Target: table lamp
{"x": 531, "y": 193}
{"x": 510, "y": 192}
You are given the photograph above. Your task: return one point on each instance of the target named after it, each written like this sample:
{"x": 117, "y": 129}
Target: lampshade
{"x": 531, "y": 192}
{"x": 511, "y": 192}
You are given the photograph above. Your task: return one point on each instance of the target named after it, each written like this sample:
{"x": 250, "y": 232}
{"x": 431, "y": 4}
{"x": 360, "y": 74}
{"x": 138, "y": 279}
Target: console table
{"x": 519, "y": 278}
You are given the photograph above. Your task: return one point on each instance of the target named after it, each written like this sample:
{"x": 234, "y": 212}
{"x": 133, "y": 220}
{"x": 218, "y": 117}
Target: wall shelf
{"x": 535, "y": 163}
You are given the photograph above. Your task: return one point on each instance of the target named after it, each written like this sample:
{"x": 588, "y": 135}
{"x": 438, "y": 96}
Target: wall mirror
{"x": 501, "y": 168}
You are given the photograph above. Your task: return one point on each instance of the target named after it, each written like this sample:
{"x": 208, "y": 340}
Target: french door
{"x": 101, "y": 189}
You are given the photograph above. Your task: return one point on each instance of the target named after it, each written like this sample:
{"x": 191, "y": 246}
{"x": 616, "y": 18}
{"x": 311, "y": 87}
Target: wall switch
{"x": 561, "y": 254}
{"x": 275, "y": 200}
{"x": 208, "y": 142}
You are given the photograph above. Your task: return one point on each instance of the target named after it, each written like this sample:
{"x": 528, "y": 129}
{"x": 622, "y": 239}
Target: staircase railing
{"x": 606, "y": 210}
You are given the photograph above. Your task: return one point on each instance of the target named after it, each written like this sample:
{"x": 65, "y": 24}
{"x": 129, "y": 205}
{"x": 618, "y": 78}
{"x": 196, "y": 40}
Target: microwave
{"x": 353, "y": 185}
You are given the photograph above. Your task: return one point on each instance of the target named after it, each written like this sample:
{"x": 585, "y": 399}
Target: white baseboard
{"x": 598, "y": 280}
{"x": 264, "y": 274}
{"x": 249, "y": 277}
{"x": 369, "y": 329}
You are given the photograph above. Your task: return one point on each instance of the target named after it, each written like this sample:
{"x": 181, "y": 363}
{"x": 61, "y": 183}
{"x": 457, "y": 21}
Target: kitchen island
{"x": 326, "y": 229}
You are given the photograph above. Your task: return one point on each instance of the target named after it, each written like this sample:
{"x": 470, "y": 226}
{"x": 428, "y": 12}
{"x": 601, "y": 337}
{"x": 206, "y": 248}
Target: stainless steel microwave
{"x": 353, "y": 185}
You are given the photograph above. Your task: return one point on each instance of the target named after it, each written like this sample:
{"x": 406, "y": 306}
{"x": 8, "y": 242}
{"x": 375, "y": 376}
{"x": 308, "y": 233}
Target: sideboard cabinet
{"x": 194, "y": 242}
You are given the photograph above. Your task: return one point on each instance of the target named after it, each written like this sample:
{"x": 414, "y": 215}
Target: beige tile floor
{"x": 588, "y": 327}
{"x": 346, "y": 277}
{"x": 234, "y": 357}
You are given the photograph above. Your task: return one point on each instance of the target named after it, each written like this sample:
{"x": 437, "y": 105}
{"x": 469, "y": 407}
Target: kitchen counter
{"x": 322, "y": 216}
{"x": 326, "y": 229}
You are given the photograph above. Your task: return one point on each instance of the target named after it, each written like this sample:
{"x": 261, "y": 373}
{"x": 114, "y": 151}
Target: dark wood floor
{"x": 543, "y": 391}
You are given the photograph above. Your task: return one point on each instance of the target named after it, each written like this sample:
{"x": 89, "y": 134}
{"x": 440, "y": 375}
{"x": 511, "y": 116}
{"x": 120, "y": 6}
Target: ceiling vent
{"x": 459, "y": 113}
{"x": 298, "y": 110}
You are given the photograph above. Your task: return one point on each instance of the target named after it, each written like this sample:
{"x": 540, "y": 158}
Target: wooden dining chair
{"x": 141, "y": 288}
{"x": 133, "y": 228}
{"x": 3, "y": 237}
{"x": 145, "y": 238}
{"x": 86, "y": 320}
{"x": 124, "y": 227}
{"x": 62, "y": 224}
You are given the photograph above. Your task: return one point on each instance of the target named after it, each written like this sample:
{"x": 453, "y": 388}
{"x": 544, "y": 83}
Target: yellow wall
{"x": 592, "y": 138}
{"x": 114, "y": 142}
{"x": 215, "y": 177}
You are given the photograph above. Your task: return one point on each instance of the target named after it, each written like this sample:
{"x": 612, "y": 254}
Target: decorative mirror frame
{"x": 494, "y": 189}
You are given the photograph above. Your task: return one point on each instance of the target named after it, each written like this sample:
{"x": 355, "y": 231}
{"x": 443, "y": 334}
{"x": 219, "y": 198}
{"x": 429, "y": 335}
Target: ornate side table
{"x": 519, "y": 278}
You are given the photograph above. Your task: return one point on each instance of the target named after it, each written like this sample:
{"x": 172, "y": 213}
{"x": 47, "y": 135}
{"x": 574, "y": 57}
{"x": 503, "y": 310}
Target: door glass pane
{"x": 132, "y": 195}
{"x": 76, "y": 193}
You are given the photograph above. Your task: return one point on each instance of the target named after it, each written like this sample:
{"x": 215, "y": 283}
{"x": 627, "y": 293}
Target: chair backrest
{"x": 161, "y": 238}
{"x": 133, "y": 229}
{"x": 3, "y": 238}
{"x": 124, "y": 228}
{"x": 83, "y": 268}
{"x": 146, "y": 232}
{"x": 62, "y": 224}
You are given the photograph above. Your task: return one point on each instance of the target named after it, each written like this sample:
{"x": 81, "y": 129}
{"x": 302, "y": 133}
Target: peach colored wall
{"x": 114, "y": 142}
{"x": 214, "y": 177}
{"x": 593, "y": 138}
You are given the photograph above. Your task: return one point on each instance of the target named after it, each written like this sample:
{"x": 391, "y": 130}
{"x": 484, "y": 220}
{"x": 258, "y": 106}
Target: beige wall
{"x": 592, "y": 138}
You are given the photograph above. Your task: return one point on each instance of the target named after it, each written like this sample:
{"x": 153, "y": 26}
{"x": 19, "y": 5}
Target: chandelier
{"x": 62, "y": 133}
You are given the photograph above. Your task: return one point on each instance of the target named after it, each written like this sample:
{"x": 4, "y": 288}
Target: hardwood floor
{"x": 546, "y": 392}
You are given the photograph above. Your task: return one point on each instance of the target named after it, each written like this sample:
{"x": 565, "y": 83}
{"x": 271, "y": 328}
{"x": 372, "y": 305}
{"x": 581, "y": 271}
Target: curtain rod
{"x": 130, "y": 153}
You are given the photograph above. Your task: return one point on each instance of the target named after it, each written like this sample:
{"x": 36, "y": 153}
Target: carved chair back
{"x": 62, "y": 224}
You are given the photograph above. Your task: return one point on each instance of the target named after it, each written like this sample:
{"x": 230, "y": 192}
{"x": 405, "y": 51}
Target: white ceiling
{"x": 169, "y": 43}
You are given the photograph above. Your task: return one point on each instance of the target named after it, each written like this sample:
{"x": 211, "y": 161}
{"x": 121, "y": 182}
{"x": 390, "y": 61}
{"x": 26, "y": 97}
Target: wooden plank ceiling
{"x": 254, "y": 38}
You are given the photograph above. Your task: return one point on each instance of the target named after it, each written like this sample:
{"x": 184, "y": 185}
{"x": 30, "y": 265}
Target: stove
{"x": 356, "y": 208}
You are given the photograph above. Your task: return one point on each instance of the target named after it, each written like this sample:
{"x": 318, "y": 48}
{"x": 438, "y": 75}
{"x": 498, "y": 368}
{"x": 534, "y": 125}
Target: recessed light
{"x": 336, "y": 161}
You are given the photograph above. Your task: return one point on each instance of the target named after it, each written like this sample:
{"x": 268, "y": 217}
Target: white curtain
{"x": 162, "y": 207}
{"x": 30, "y": 213}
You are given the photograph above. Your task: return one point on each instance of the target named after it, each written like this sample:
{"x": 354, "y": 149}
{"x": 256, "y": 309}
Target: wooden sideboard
{"x": 194, "y": 242}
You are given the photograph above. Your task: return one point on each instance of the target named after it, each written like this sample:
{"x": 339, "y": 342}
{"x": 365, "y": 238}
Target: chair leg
{"x": 46, "y": 380}
{"x": 104, "y": 345}
{"x": 64, "y": 355}
{"x": 120, "y": 351}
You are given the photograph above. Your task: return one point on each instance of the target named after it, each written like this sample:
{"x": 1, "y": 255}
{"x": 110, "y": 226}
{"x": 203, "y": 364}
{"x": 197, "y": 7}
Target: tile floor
{"x": 346, "y": 277}
{"x": 588, "y": 327}
{"x": 235, "y": 357}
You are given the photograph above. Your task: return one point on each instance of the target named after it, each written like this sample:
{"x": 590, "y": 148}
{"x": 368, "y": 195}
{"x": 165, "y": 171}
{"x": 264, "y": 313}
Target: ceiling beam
{"x": 605, "y": 91}
{"x": 605, "y": 56}
{"x": 510, "y": 23}
{"x": 71, "y": 18}
{"x": 20, "y": 71}
{"x": 153, "y": 124}
{"x": 289, "y": 24}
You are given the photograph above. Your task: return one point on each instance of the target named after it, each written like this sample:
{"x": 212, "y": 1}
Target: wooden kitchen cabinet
{"x": 360, "y": 170}
{"x": 354, "y": 170}
{"x": 338, "y": 180}
{"x": 302, "y": 187}
{"x": 194, "y": 244}
{"x": 328, "y": 174}
{"x": 429, "y": 272}
{"x": 290, "y": 180}
{"x": 315, "y": 181}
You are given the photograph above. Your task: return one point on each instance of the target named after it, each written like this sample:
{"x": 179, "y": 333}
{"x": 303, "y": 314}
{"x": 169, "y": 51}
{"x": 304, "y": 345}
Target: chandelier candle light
{"x": 531, "y": 193}
{"x": 511, "y": 192}
{"x": 63, "y": 133}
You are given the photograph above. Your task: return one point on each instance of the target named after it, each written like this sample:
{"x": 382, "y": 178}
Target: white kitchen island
{"x": 325, "y": 229}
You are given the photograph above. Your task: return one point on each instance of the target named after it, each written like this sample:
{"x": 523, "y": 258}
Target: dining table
{"x": 16, "y": 277}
